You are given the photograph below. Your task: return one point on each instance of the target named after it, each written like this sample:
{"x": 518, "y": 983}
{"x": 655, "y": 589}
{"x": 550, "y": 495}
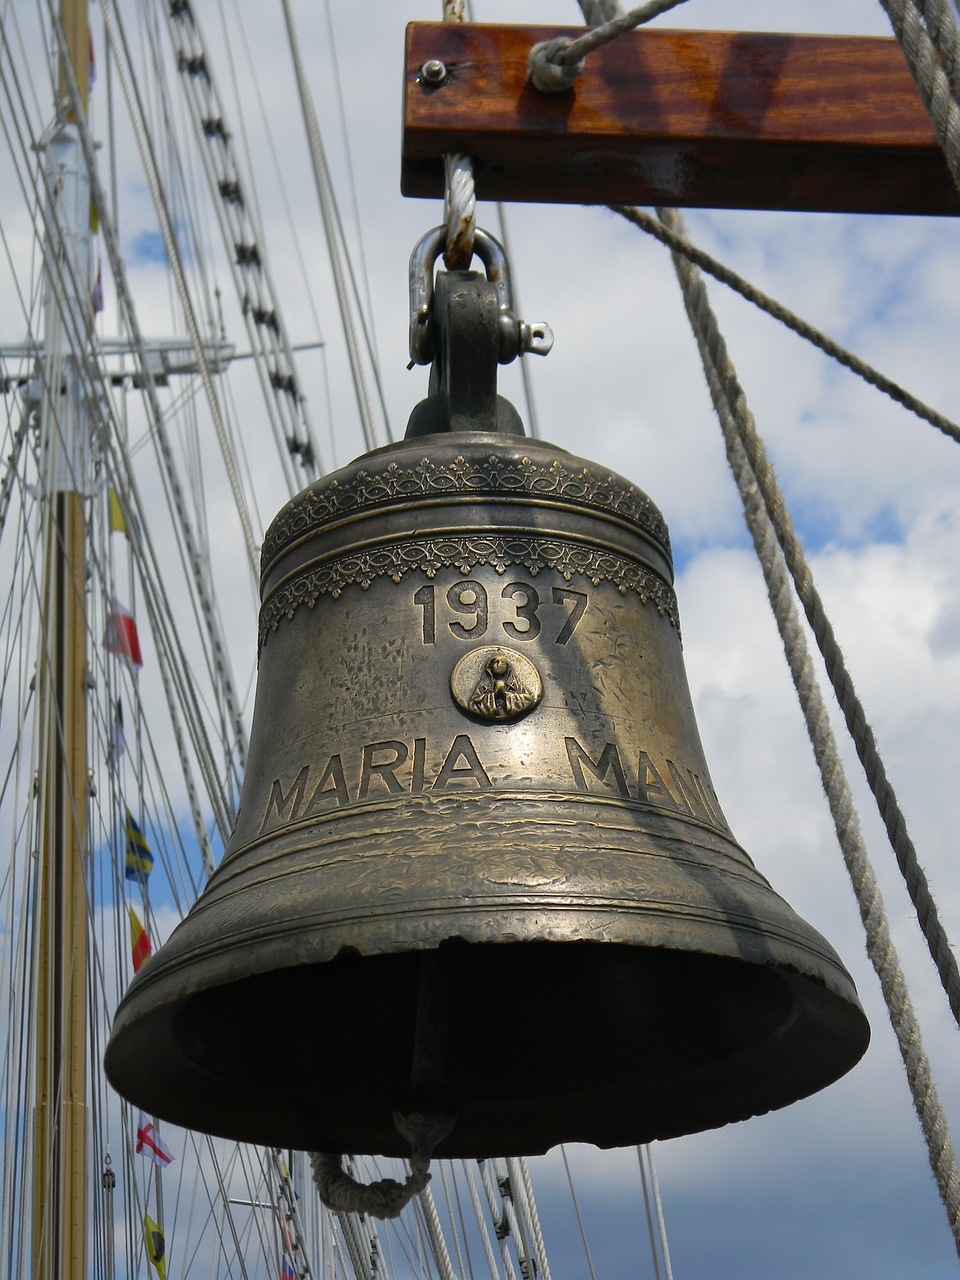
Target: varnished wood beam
{"x": 692, "y": 118}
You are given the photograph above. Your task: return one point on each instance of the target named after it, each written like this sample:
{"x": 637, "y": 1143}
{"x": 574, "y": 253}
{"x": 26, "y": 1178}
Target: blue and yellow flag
{"x": 139, "y": 857}
{"x": 156, "y": 1246}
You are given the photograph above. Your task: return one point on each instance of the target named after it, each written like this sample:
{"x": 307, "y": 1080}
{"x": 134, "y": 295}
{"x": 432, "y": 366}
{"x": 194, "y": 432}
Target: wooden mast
{"x": 60, "y": 1117}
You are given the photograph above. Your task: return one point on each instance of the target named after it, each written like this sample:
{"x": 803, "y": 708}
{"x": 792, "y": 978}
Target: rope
{"x": 459, "y": 196}
{"x": 555, "y": 64}
{"x": 596, "y": 12}
{"x": 459, "y": 210}
{"x": 438, "y": 1245}
{"x": 942, "y": 25}
{"x": 386, "y": 1198}
{"x": 937, "y": 941}
{"x": 920, "y": 53}
{"x": 668, "y": 236}
{"x": 649, "y": 1212}
{"x": 331, "y": 224}
{"x": 576, "y": 1206}
{"x": 734, "y": 415}
{"x": 532, "y": 1213}
{"x": 658, "y": 1206}
{"x": 343, "y": 1194}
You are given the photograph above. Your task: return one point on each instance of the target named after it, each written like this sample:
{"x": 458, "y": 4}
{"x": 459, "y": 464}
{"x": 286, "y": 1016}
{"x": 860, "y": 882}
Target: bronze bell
{"x": 479, "y": 864}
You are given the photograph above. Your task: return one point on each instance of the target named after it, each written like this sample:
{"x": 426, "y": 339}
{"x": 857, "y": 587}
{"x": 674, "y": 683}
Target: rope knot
{"x": 548, "y": 71}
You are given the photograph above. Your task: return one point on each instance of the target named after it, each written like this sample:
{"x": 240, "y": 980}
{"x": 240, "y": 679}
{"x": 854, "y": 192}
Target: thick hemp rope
{"x": 386, "y": 1198}
{"x": 921, "y": 54}
{"x": 941, "y": 22}
{"x": 555, "y": 64}
{"x": 936, "y": 938}
{"x": 733, "y": 413}
{"x": 343, "y": 1194}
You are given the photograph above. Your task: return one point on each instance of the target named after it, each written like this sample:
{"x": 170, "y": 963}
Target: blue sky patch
{"x": 148, "y": 247}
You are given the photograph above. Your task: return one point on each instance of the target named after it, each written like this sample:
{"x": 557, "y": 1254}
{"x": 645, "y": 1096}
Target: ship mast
{"x": 60, "y": 1119}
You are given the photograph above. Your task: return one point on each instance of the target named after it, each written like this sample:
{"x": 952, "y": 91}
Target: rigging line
{"x": 174, "y": 668}
{"x": 325, "y": 195}
{"x": 734, "y": 417}
{"x": 11, "y": 474}
{"x": 501, "y": 1228}
{"x": 649, "y": 1213}
{"x": 105, "y": 580}
{"x": 512, "y": 1194}
{"x": 25, "y": 310}
{"x": 576, "y": 1206}
{"x": 162, "y": 445}
{"x": 942, "y": 25}
{"x": 533, "y": 422}
{"x": 10, "y": 20}
{"x": 677, "y": 243}
{"x": 533, "y": 1216}
{"x": 180, "y": 177}
{"x": 860, "y": 729}
{"x": 658, "y": 1207}
{"x": 555, "y": 64}
{"x": 169, "y": 648}
{"x": 243, "y": 240}
{"x": 469, "y": 1171}
{"x": 438, "y": 1246}
{"x": 351, "y": 182}
{"x": 148, "y": 157}
{"x": 921, "y": 57}
{"x": 451, "y": 1215}
{"x": 458, "y": 1216}
{"x": 253, "y": 85}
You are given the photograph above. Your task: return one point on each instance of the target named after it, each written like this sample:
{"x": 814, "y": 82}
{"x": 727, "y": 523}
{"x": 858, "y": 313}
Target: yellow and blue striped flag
{"x": 139, "y": 857}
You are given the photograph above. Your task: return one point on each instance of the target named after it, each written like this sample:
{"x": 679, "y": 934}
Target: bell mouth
{"x": 545, "y": 1043}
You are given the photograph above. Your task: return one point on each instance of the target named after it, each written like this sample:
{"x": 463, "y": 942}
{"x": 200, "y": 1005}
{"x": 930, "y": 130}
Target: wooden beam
{"x": 692, "y": 118}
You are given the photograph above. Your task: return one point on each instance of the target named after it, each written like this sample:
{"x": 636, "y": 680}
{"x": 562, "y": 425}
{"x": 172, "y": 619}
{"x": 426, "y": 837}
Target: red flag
{"x": 139, "y": 940}
{"x": 121, "y": 636}
{"x": 98, "y": 291}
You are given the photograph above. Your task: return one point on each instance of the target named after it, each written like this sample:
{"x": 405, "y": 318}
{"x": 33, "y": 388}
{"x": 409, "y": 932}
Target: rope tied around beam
{"x": 556, "y": 64}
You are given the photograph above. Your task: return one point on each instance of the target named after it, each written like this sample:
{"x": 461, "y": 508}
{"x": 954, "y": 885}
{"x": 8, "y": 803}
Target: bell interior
{"x": 543, "y": 1042}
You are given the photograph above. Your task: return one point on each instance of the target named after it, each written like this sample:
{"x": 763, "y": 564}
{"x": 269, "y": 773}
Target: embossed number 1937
{"x": 469, "y": 602}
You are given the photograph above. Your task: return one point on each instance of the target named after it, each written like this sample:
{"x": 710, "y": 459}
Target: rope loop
{"x": 424, "y": 1129}
{"x": 343, "y": 1194}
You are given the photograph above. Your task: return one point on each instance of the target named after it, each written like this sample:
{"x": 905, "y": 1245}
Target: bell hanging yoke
{"x": 479, "y": 870}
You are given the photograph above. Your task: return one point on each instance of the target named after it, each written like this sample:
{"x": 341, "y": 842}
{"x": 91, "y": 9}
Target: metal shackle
{"x": 516, "y": 336}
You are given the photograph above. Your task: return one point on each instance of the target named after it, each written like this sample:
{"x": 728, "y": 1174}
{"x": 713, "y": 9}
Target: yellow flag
{"x": 117, "y": 522}
{"x": 155, "y": 1245}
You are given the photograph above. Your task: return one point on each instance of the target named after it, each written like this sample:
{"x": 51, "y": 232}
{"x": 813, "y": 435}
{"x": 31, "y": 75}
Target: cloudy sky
{"x": 837, "y": 1186}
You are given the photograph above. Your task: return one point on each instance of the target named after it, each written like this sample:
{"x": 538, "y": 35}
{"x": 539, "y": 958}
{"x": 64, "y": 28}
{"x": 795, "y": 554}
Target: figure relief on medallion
{"x": 496, "y": 684}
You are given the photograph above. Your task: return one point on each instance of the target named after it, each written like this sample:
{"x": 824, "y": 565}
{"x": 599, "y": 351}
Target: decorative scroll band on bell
{"x": 553, "y": 480}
